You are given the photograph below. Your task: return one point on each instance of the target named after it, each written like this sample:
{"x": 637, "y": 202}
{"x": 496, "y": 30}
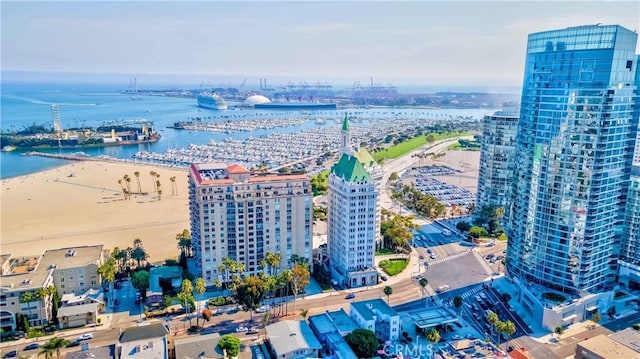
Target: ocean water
{"x": 92, "y": 105}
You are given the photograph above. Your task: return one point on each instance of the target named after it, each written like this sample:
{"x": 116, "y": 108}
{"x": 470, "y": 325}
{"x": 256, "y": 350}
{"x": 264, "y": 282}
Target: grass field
{"x": 405, "y": 147}
{"x": 394, "y": 266}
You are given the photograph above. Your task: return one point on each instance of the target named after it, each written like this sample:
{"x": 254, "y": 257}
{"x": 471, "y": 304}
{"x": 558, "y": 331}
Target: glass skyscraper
{"x": 575, "y": 142}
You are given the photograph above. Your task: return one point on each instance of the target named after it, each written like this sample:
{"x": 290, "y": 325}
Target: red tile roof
{"x": 237, "y": 169}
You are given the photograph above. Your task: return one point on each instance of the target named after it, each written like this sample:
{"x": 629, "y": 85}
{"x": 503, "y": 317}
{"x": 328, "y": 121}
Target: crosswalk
{"x": 440, "y": 260}
{"x": 471, "y": 292}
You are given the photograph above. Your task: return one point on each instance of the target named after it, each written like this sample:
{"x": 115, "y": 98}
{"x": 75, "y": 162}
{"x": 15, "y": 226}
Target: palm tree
{"x": 54, "y": 345}
{"x": 423, "y": 283}
{"x": 223, "y": 268}
{"x": 139, "y": 254}
{"x": 184, "y": 243}
{"x": 559, "y": 330}
{"x": 200, "y": 287}
{"x": 433, "y": 336}
{"x": 273, "y": 259}
{"x": 108, "y": 272}
{"x": 457, "y": 302}
{"x": 127, "y": 180}
{"x": 266, "y": 319}
{"x": 124, "y": 189}
{"x": 492, "y": 318}
{"x": 30, "y": 297}
{"x": 304, "y": 313}
{"x": 388, "y": 291}
{"x": 48, "y": 352}
{"x": 174, "y": 187}
{"x": 159, "y": 195}
{"x": 508, "y": 328}
{"x": 153, "y": 179}
{"x": 137, "y": 174}
{"x": 217, "y": 284}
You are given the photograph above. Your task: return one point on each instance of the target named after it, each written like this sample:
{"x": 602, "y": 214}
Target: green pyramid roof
{"x": 365, "y": 157}
{"x": 351, "y": 169}
{"x": 345, "y": 123}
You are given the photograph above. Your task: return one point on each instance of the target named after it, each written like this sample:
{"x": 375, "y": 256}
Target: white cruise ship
{"x": 212, "y": 101}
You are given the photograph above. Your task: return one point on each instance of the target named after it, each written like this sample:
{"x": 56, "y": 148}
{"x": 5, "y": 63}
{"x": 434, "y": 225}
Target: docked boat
{"x": 212, "y": 101}
{"x": 8, "y": 148}
{"x": 295, "y": 106}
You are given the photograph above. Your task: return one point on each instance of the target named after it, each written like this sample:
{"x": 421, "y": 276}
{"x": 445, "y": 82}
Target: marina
{"x": 230, "y": 131}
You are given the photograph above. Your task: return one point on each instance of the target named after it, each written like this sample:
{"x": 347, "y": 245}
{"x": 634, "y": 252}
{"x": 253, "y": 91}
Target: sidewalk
{"x": 407, "y": 273}
{"x": 20, "y": 343}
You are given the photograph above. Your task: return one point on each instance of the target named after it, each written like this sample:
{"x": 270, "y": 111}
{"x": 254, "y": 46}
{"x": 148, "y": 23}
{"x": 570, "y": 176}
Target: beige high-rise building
{"x": 243, "y": 215}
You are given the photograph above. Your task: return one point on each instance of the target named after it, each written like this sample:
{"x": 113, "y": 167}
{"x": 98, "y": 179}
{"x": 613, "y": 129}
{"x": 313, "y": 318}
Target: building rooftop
{"x": 330, "y": 322}
{"x": 93, "y": 294}
{"x": 343, "y": 350}
{"x": 368, "y": 308}
{"x": 71, "y": 257}
{"x": 628, "y": 337}
{"x": 350, "y": 169}
{"x": 520, "y": 353}
{"x": 291, "y": 335}
{"x": 433, "y": 316}
{"x": 26, "y": 281}
{"x": 472, "y": 349}
{"x": 201, "y": 346}
{"x": 365, "y": 157}
{"x": 606, "y": 347}
{"x": 144, "y": 332}
{"x": 3, "y": 259}
{"x": 71, "y": 310}
{"x": 108, "y": 352}
{"x": 219, "y": 173}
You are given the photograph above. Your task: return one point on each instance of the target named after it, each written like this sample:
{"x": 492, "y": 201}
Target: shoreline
{"x": 82, "y": 203}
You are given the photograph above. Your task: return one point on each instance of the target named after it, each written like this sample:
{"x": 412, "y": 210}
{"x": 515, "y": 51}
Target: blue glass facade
{"x": 575, "y": 140}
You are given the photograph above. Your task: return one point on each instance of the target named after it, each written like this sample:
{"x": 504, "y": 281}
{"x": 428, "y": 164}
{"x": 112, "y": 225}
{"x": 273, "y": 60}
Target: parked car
{"x": 252, "y": 331}
{"x": 383, "y": 277}
{"x": 421, "y": 256}
{"x": 432, "y": 256}
{"x": 74, "y": 343}
{"x": 11, "y": 354}
{"x": 263, "y": 309}
{"x": 86, "y": 336}
{"x": 32, "y": 346}
{"x": 350, "y": 296}
{"x": 241, "y": 329}
{"x": 429, "y": 251}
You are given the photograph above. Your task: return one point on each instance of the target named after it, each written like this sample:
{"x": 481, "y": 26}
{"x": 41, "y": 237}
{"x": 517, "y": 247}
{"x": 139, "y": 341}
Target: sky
{"x": 437, "y": 42}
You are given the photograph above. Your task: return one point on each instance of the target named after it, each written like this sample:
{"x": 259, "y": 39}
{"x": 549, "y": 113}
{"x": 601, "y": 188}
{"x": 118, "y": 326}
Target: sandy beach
{"x": 82, "y": 203}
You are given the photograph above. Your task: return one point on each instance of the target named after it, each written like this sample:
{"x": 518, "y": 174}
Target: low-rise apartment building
{"x": 377, "y": 316}
{"x": 75, "y": 269}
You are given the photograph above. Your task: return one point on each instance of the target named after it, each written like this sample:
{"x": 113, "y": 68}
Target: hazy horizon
{"x": 452, "y": 44}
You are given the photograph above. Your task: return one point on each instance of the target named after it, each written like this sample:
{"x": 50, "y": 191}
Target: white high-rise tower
{"x": 354, "y": 215}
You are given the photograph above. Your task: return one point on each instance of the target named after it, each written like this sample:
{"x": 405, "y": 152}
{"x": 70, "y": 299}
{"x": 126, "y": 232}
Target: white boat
{"x": 212, "y": 101}
{"x": 8, "y": 148}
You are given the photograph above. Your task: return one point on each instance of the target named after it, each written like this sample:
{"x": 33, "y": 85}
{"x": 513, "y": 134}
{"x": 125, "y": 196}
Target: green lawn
{"x": 405, "y": 147}
{"x": 384, "y": 251}
{"x": 394, "y": 266}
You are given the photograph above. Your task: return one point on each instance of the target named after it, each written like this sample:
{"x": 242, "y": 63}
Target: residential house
{"x": 198, "y": 347}
{"x": 292, "y": 339}
{"x": 148, "y": 340}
